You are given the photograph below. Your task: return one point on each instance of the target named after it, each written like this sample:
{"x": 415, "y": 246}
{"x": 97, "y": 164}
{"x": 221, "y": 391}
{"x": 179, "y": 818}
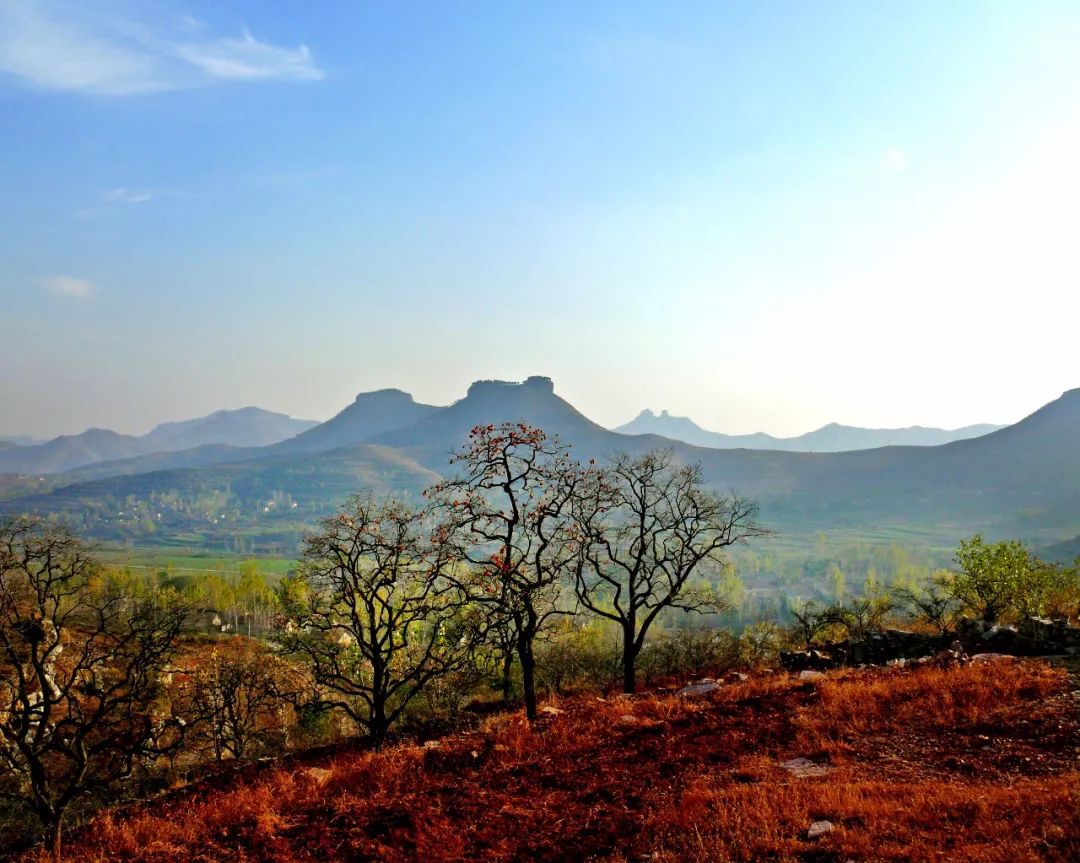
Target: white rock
{"x": 699, "y": 687}
{"x": 810, "y": 675}
{"x": 819, "y": 829}
{"x": 993, "y": 657}
{"x": 804, "y": 767}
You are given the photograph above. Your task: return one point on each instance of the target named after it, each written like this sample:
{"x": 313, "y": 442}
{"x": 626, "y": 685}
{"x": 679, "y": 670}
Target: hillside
{"x": 971, "y": 763}
{"x": 829, "y": 438}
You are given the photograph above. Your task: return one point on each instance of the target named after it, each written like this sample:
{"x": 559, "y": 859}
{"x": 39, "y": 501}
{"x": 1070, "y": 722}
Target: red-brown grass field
{"x": 969, "y": 763}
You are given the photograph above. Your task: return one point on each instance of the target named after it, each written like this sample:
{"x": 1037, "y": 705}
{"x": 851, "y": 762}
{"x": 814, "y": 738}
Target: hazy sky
{"x": 766, "y": 216}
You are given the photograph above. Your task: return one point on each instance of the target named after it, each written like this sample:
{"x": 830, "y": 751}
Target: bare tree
{"x": 80, "y": 673}
{"x": 647, "y": 528}
{"x": 810, "y": 621}
{"x": 862, "y": 616}
{"x": 383, "y": 612}
{"x": 933, "y": 604}
{"x": 509, "y": 511}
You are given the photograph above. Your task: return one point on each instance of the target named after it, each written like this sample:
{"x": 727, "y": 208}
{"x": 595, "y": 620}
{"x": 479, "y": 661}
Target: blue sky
{"x": 762, "y": 215}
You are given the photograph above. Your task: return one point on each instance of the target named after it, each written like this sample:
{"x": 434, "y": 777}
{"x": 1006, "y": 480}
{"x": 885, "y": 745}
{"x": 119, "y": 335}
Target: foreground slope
{"x": 972, "y": 763}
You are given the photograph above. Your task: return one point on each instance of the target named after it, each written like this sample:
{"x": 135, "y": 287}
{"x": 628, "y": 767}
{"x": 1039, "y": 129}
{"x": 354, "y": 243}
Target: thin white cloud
{"x": 101, "y": 52}
{"x": 248, "y": 59}
{"x": 124, "y": 195}
{"x": 139, "y": 195}
{"x": 69, "y": 286}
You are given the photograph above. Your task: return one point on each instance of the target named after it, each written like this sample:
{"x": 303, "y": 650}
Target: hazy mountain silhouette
{"x": 71, "y": 451}
{"x": 246, "y": 427}
{"x": 18, "y": 440}
{"x": 1023, "y": 480}
{"x": 369, "y": 415}
{"x": 829, "y": 438}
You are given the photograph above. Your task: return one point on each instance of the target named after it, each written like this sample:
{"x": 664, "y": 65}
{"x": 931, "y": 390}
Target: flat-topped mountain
{"x": 370, "y": 415}
{"x": 492, "y": 401}
{"x": 246, "y": 427}
{"x": 829, "y": 438}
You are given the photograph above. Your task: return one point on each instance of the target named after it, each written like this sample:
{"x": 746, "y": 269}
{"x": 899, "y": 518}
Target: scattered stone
{"x": 810, "y": 674}
{"x": 819, "y": 829}
{"x": 993, "y": 657}
{"x": 549, "y": 710}
{"x": 699, "y": 687}
{"x": 803, "y": 768}
{"x": 628, "y": 719}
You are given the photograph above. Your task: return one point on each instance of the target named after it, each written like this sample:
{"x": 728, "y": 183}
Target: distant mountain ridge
{"x": 245, "y": 427}
{"x": 829, "y": 438}
{"x": 18, "y": 440}
{"x": 250, "y": 426}
{"x": 1021, "y": 481}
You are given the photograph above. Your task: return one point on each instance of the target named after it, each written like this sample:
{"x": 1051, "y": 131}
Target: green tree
{"x": 996, "y": 579}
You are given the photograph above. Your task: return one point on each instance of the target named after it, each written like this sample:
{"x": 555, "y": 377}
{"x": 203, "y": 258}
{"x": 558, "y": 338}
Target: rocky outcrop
{"x": 1035, "y": 636}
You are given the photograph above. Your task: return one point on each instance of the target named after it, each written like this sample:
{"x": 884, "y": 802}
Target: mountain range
{"x": 829, "y": 438}
{"x": 246, "y": 427}
{"x": 1022, "y": 480}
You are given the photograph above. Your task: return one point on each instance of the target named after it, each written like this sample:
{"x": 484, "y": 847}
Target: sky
{"x": 763, "y": 215}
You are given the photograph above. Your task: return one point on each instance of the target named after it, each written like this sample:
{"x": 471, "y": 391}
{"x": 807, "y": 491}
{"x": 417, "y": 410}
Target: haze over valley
{"x": 1020, "y": 480}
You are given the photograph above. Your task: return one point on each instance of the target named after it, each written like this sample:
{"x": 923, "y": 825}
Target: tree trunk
{"x": 629, "y": 660}
{"x": 507, "y": 668}
{"x": 52, "y": 837}
{"x": 528, "y": 674}
{"x": 378, "y": 725}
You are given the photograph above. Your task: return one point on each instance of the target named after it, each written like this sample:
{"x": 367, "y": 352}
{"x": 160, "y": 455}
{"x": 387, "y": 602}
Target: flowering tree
{"x": 509, "y": 512}
{"x": 379, "y": 611}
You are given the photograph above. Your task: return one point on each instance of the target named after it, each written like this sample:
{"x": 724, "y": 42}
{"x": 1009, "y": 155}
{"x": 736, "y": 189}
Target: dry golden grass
{"x": 963, "y": 764}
